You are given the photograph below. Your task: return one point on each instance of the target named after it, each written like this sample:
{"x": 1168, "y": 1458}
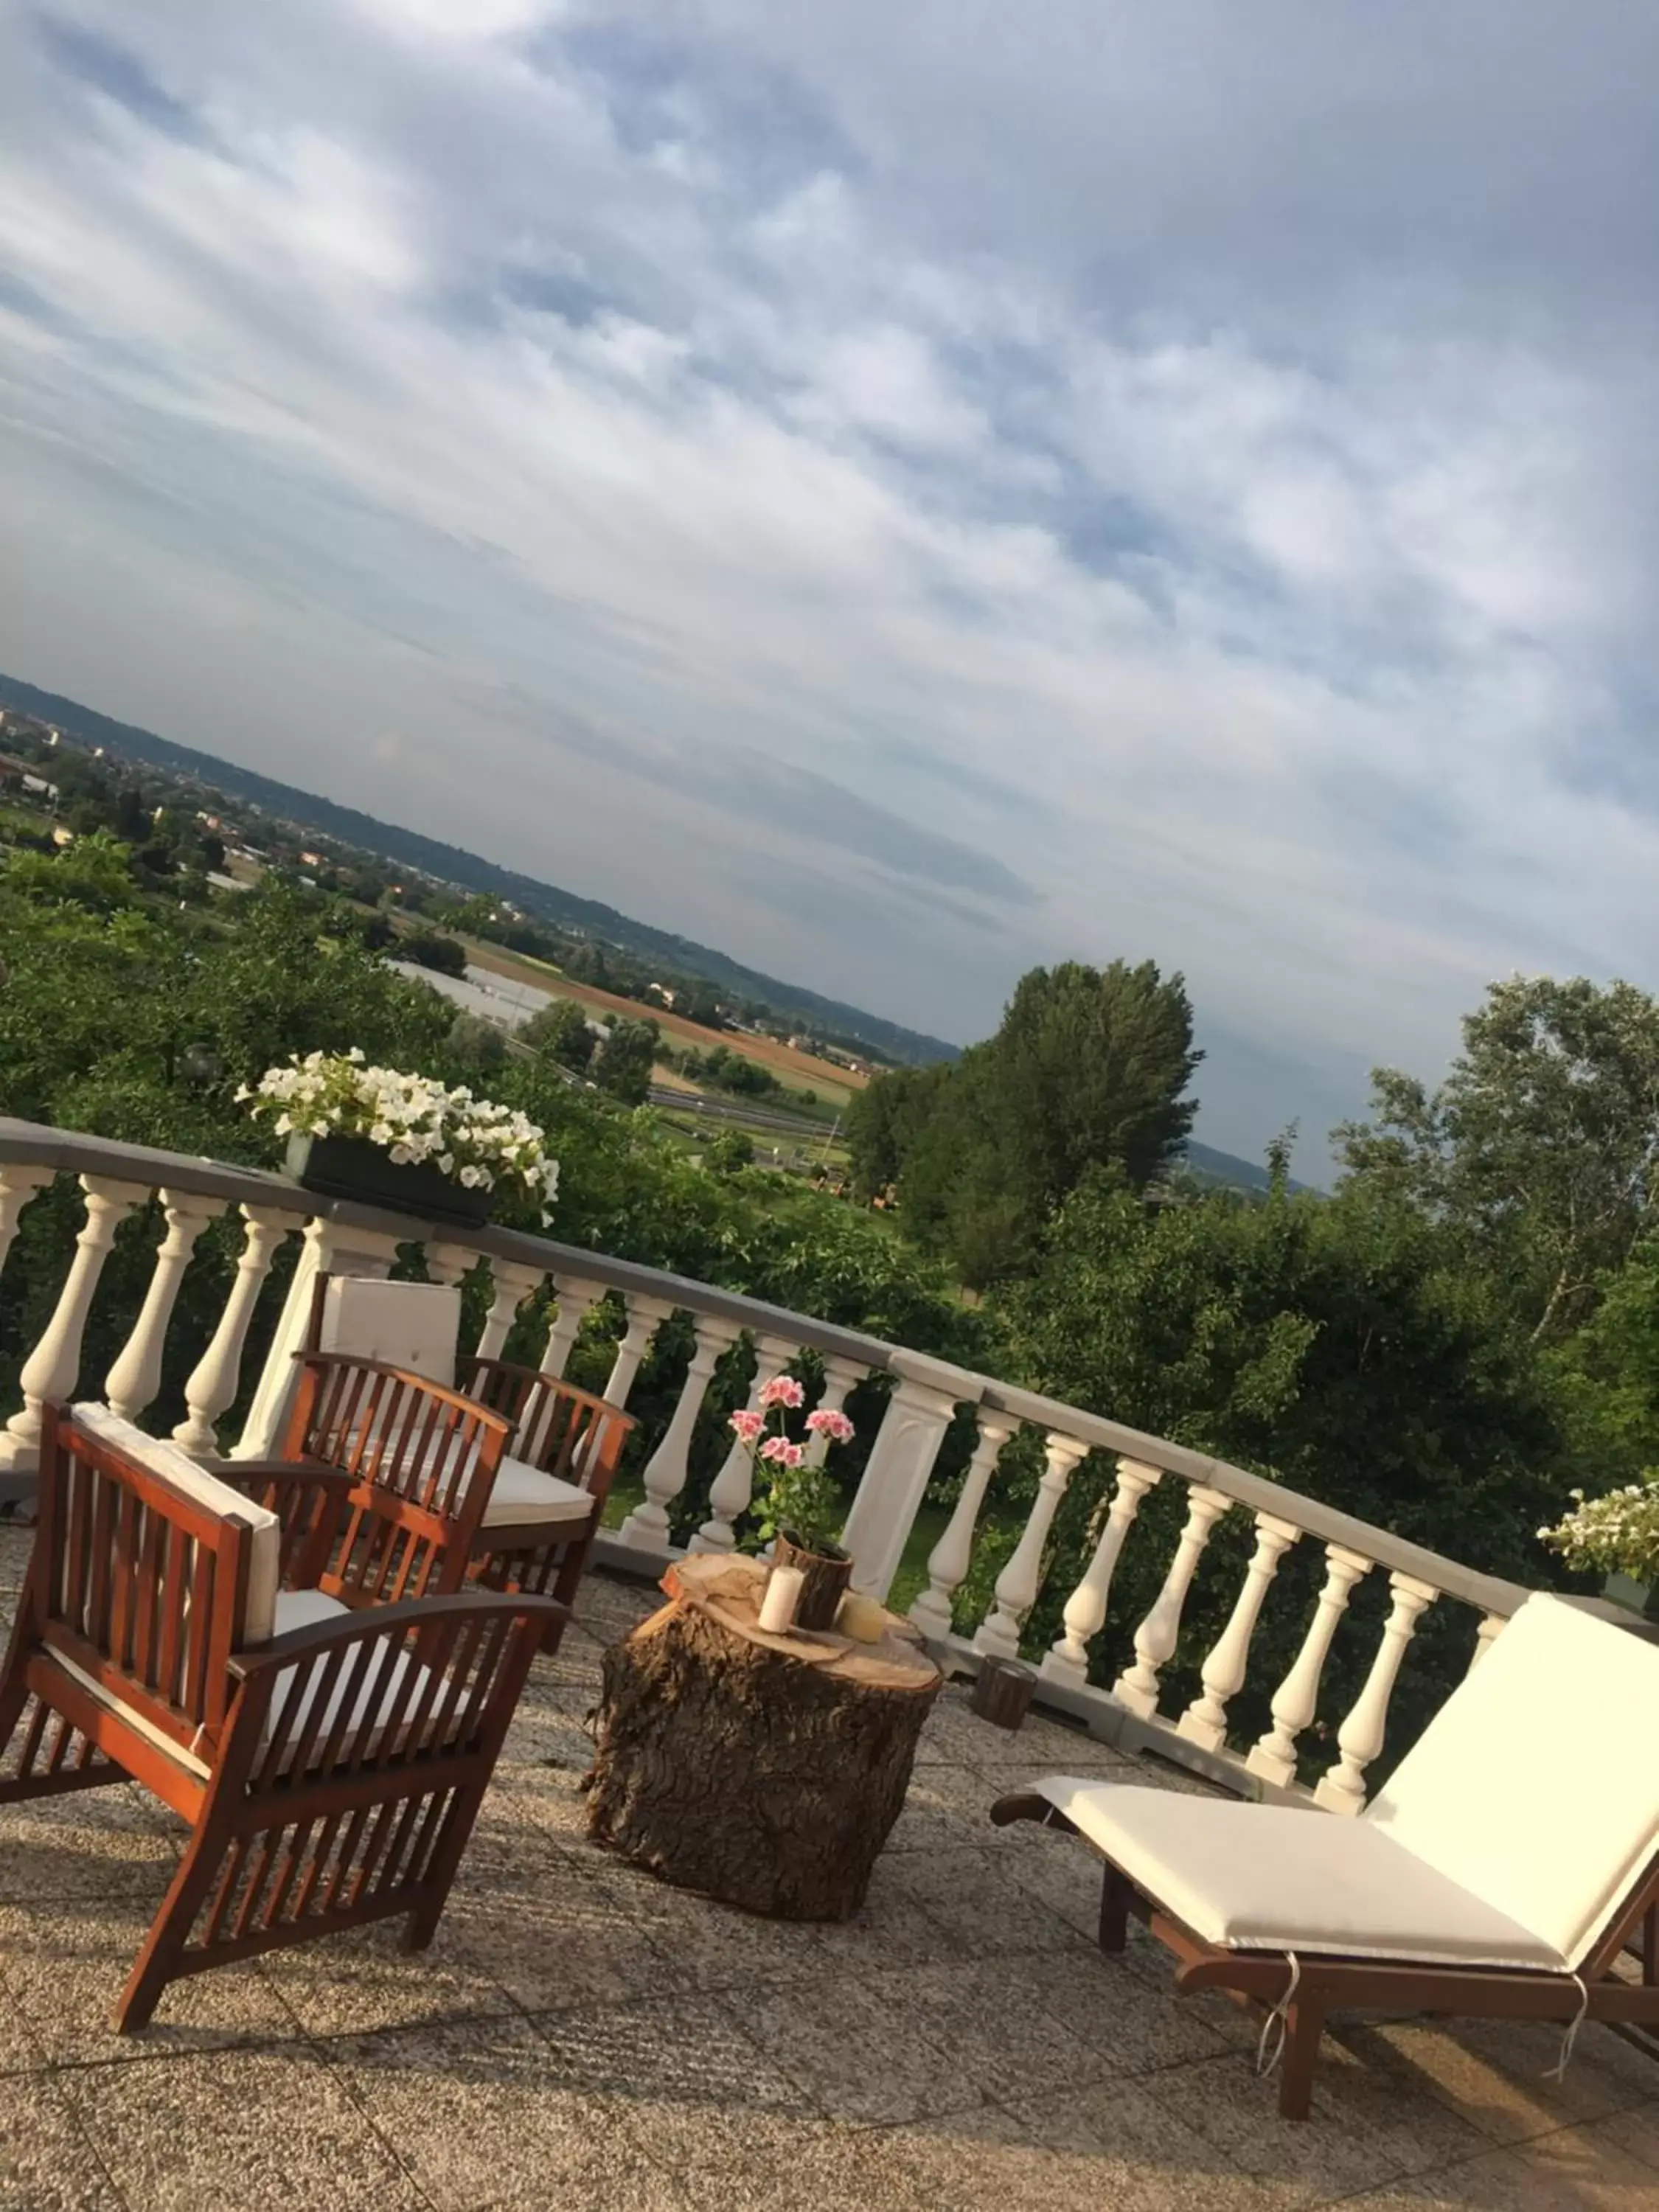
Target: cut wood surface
{"x": 765, "y": 1770}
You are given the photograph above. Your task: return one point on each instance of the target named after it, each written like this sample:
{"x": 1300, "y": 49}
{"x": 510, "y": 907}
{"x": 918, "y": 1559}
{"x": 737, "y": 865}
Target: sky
{"x": 899, "y": 493}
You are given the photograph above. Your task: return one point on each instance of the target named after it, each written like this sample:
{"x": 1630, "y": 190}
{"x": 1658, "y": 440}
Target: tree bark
{"x": 764, "y": 1771}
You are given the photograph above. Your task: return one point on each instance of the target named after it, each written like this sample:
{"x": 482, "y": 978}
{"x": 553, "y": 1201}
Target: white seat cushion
{"x": 1275, "y": 1878}
{"x": 411, "y": 1325}
{"x": 303, "y": 1609}
{"x": 523, "y": 1494}
{"x": 1537, "y": 1782}
{"x": 170, "y": 1465}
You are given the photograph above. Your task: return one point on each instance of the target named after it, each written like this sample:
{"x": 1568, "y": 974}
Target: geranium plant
{"x": 791, "y": 1498}
{"x": 1617, "y": 1534}
{"x": 412, "y": 1118}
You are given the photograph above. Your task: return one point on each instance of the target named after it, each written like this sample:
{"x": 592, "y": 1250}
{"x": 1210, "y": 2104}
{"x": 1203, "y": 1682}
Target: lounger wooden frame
{"x": 329, "y": 1777}
{"x": 1323, "y": 1985}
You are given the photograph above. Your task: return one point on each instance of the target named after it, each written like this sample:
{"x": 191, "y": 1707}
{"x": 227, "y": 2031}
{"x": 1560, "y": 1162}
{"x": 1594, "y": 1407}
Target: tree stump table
{"x": 765, "y": 1770}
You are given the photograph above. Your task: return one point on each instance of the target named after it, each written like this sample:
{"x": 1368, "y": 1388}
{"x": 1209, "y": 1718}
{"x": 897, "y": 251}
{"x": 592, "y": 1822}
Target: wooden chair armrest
{"x": 394, "y": 1621}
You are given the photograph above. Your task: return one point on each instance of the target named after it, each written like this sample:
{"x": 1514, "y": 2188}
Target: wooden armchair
{"x": 330, "y": 1770}
{"x": 542, "y": 1510}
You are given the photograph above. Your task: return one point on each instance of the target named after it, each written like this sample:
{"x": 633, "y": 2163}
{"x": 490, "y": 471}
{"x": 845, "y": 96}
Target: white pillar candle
{"x": 783, "y": 1590}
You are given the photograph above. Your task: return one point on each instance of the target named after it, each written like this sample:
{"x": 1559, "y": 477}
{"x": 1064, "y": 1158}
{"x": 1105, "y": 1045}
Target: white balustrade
{"x": 645, "y": 1317}
{"x": 18, "y": 1185}
{"x": 841, "y": 1378}
{"x": 52, "y": 1369}
{"x": 513, "y": 1286}
{"x": 212, "y": 1384}
{"x": 449, "y": 1264}
{"x": 667, "y": 1469}
{"x": 1297, "y": 1699}
{"x": 948, "y": 1561}
{"x": 331, "y": 1249}
{"x": 1067, "y": 1661}
{"x": 1492, "y": 1628}
{"x": 1204, "y": 1720}
{"x": 136, "y": 1375}
{"x": 920, "y": 1409}
{"x": 728, "y": 1500}
{"x": 1155, "y": 1637}
{"x": 576, "y": 1301}
{"x": 1017, "y": 1585}
{"x": 1360, "y": 1736}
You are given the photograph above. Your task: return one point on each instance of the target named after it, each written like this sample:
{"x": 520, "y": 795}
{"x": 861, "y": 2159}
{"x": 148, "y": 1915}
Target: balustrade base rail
{"x": 744, "y": 1342}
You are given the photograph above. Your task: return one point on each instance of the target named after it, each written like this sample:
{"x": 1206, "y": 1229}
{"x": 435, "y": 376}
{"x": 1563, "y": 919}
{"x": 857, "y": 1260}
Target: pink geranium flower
{"x": 747, "y": 1426}
{"x": 785, "y": 1453}
{"x": 782, "y": 1390}
{"x": 828, "y": 1423}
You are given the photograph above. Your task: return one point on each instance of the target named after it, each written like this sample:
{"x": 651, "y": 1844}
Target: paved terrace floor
{"x": 581, "y": 2036}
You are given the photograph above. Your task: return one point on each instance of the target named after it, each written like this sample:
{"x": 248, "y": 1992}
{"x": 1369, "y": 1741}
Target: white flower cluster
{"x": 476, "y": 1142}
{"x": 1617, "y": 1533}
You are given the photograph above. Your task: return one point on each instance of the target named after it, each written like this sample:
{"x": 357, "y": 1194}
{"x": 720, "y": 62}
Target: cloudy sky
{"x": 898, "y": 492}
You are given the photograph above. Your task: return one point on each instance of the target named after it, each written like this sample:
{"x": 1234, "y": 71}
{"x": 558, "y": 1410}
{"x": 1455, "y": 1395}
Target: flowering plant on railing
{"x": 411, "y": 1117}
{"x": 1617, "y": 1533}
{"x": 792, "y": 1498}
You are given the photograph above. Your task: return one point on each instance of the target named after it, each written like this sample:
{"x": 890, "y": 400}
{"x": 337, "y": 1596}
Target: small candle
{"x": 783, "y": 1590}
{"x": 861, "y": 1618}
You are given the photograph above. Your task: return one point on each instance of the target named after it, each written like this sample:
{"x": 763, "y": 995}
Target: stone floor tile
{"x": 551, "y": 1935}
{"x": 1494, "y": 2073}
{"x": 48, "y": 2159}
{"x": 945, "y": 1809}
{"x": 263, "y": 2130}
{"x": 1136, "y": 2029}
{"x": 363, "y": 1981}
{"x": 1573, "y": 2170}
{"x": 857, "y": 2051}
{"x": 707, "y": 1945}
{"x": 693, "y": 2050}
{"x": 64, "y": 1964}
{"x": 88, "y": 1843}
{"x": 1333, "y": 2153}
{"x": 1636, "y": 2131}
{"x": 17, "y": 1549}
{"x": 482, "y": 2113}
{"x": 890, "y": 1929}
{"x": 767, "y": 2162}
{"x": 978, "y": 1903}
{"x": 993, "y": 2021}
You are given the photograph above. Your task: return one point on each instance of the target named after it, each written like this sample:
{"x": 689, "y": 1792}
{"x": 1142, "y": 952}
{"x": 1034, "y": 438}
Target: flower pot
{"x": 827, "y": 1572}
{"x": 352, "y": 1168}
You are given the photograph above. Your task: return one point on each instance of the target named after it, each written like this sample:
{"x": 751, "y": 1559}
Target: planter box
{"x": 352, "y": 1168}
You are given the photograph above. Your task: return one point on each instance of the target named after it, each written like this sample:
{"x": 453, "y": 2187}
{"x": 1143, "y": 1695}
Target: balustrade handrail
{"x": 73, "y": 1152}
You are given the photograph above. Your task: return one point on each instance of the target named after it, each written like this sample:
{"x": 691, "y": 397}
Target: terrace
{"x": 580, "y": 2032}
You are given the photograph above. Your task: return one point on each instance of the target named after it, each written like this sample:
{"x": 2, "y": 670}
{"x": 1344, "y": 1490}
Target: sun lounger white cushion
{"x": 1276, "y": 1878}
{"x": 174, "y": 1467}
{"x": 412, "y": 1325}
{"x": 1537, "y": 1783}
{"x": 524, "y": 1494}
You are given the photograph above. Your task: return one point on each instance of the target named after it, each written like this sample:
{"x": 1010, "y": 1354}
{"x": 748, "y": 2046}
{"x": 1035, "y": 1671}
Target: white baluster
{"x": 50, "y": 1371}
{"x": 733, "y": 1486}
{"x": 514, "y": 1285}
{"x": 668, "y": 1467}
{"x": 1017, "y": 1585}
{"x": 921, "y": 1407}
{"x": 949, "y": 1559}
{"x": 841, "y": 1378}
{"x": 212, "y": 1389}
{"x": 135, "y": 1376}
{"x": 1085, "y": 1609}
{"x": 1485, "y": 1636}
{"x": 1155, "y": 1638}
{"x": 450, "y": 1264}
{"x": 1360, "y": 1736}
{"x": 576, "y": 1301}
{"x": 18, "y": 1185}
{"x": 330, "y": 1248}
{"x": 645, "y": 1317}
{"x": 1204, "y": 1720}
{"x": 1297, "y": 1697}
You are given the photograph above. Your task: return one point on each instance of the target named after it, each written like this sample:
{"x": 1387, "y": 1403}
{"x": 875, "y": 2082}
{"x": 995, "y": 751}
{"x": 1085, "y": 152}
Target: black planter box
{"x": 352, "y": 1168}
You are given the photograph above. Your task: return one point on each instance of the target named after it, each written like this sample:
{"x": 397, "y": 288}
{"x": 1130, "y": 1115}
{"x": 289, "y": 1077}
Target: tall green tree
{"x": 1541, "y": 1150}
{"x": 559, "y": 1032}
{"x": 623, "y": 1063}
{"x": 1089, "y": 1069}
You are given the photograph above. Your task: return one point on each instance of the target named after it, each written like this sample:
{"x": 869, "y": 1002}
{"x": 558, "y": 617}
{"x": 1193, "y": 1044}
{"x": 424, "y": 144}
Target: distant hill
{"x": 1212, "y": 1166}
{"x": 450, "y": 864}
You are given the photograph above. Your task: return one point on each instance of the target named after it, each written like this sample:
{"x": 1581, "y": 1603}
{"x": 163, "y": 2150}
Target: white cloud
{"x": 584, "y": 414}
